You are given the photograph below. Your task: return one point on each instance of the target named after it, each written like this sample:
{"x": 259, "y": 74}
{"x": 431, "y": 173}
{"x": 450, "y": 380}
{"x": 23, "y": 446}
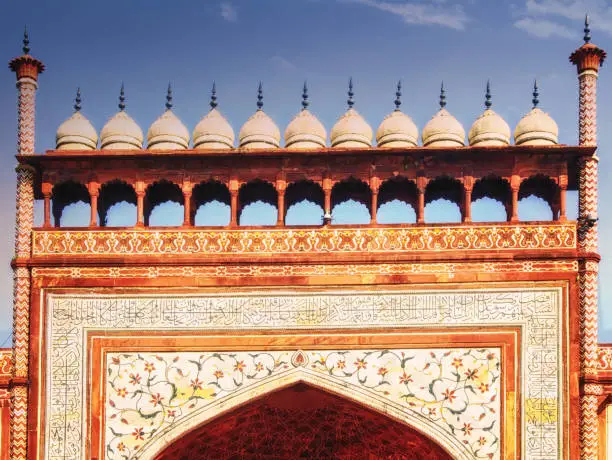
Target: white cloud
{"x": 543, "y": 28}
{"x": 437, "y": 12}
{"x": 282, "y": 63}
{"x": 571, "y": 12}
{"x": 228, "y": 12}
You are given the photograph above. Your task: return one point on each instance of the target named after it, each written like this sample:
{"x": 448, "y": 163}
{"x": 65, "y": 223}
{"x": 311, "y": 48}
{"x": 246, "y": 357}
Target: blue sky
{"x": 146, "y": 44}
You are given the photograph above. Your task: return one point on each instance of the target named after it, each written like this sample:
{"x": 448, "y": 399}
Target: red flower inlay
{"x": 138, "y": 434}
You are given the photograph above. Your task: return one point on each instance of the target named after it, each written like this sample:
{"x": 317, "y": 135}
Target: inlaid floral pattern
{"x": 457, "y": 389}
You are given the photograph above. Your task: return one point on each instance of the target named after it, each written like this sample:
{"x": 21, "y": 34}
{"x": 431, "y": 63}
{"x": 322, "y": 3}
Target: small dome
{"x": 489, "y": 128}
{"x": 76, "y": 133}
{"x": 168, "y": 132}
{"x": 537, "y": 127}
{"x": 121, "y": 131}
{"x": 259, "y": 131}
{"x": 351, "y": 130}
{"x": 397, "y": 129}
{"x": 443, "y": 130}
{"x": 213, "y": 131}
{"x": 305, "y": 131}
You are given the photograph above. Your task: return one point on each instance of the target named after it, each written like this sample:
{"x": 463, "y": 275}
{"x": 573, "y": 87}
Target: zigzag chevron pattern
{"x": 21, "y": 278}
{"x": 587, "y": 203}
{"x": 19, "y": 423}
{"x": 26, "y": 117}
{"x": 588, "y": 109}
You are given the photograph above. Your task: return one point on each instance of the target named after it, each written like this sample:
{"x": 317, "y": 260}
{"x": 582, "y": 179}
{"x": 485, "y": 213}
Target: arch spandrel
{"x": 441, "y": 410}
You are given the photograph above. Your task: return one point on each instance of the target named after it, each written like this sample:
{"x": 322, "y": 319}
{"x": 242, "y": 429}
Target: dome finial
{"x": 442, "y": 96}
{"x": 26, "y": 41}
{"x": 259, "y": 97}
{"x": 122, "y": 98}
{"x": 398, "y": 95}
{"x": 350, "y": 101}
{"x": 213, "y": 96}
{"x": 535, "y": 99}
{"x": 77, "y": 101}
{"x": 305, "y": 102}
{"x": 488, "y": 102}
{"x": 169, "y": 97}
{"x": 587, "y": 30}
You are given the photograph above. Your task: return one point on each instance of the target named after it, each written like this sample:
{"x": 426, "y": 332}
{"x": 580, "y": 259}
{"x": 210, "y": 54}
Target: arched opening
{"x": 117, "y": 204}
{"x": 163, "y": 205}
{"x": 491, "y": 200}
{"x": 350, "y": 201}
{"x": 538, "y": 199}
{"x": 301, "y": 421}
{"x": 211, "y": 204}
{"x": 304, "y": 201}
{"x": 443, "y": 197}
{"x": 258, "y": 203}
{"x": 397, "y": 201}
{"x": 71, "y": 206}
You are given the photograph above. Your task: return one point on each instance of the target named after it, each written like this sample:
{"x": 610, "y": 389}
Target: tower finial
{"x": 350, "y": 101}
{"x": 259, "y": 97}
{"x": 442, "y": 96}
{"x": 169, "y": 97}
{"x": 26, "y": 41}
{"x": 398, "y": 96}
{"x": 305, "y": 102}
{"x": 77, "y": 101}
{"x": 213, "y": 96}
{"x": 535, "y": 99}
{"x": 587, "y": 30}
{"x": 488, "y": 102}
{"x": 122, "y": 98}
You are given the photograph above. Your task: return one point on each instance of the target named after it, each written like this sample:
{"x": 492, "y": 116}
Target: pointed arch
{"x": 358, "y": 395}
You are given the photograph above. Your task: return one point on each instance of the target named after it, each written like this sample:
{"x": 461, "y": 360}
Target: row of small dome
{"x": 305, "y": 131}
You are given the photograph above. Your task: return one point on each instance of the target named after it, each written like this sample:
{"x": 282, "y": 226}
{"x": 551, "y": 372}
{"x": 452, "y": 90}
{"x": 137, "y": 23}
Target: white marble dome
{"x": 537, "y": 127}
{"x": 443, "y": 130}
{"x": 259, "y": 131}
{"x": 213, "y": 132}
{"x": 77, "y": 132}
{"x": 351, "y": 130}
{"x": 168, "y": 132}
{"x": 305, "y": 131}
{"x": 121, "y": 132}
{"x": 397, "y": 129}
{"x": 489, "y": 129}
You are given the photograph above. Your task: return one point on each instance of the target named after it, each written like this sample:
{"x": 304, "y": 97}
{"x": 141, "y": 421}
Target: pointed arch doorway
{"x": 302, "y": 421}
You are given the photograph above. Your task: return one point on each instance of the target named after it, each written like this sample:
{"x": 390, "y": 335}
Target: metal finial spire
{"x": 535, "y": 99}
{"x": 169, "y": 97}
{"x": 213, "y": 96}
{"x": 259, "y": 97}
{"x": 26, "y": 41}
{"x": 77, "y": 101}
{"x": 587, "y": 30}
{"x": 350, "y": 101}
{"x": 488, "y": 102}
{"x": 398, "y": 95}
{"x": 305, "y": 102}
{"x": 122, "y": 98}
{"x": 442, "y": 96}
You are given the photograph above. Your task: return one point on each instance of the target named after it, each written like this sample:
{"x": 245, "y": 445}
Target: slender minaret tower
{"x": 587, "y": 59}
{"x": 27, "y": 70}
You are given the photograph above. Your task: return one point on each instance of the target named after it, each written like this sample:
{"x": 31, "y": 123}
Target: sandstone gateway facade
{"x": 327, "y": 341}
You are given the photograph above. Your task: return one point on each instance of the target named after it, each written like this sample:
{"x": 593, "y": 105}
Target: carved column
{"x": 47, "y": 190}
{"x": 140, "y": 196}
{"x": 374, "y": 186}
{"x": 234, "y": 186}
{"x": 515, "y": 185}
{"x": 420, "y": 211}
{"x": 94, "y": 193}
{"x": 468, "y": 186}
{"x": 562, "y": 198}
{"x": 281, "y": 186}
{"x": 187, "y": 193}
{"x": 327, "y": 189}
{"x": 587, "y": 59}
{"x": 27, "y": 70}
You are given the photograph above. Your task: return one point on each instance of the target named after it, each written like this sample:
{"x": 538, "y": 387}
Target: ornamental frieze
{"x": 304, "y": 241}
